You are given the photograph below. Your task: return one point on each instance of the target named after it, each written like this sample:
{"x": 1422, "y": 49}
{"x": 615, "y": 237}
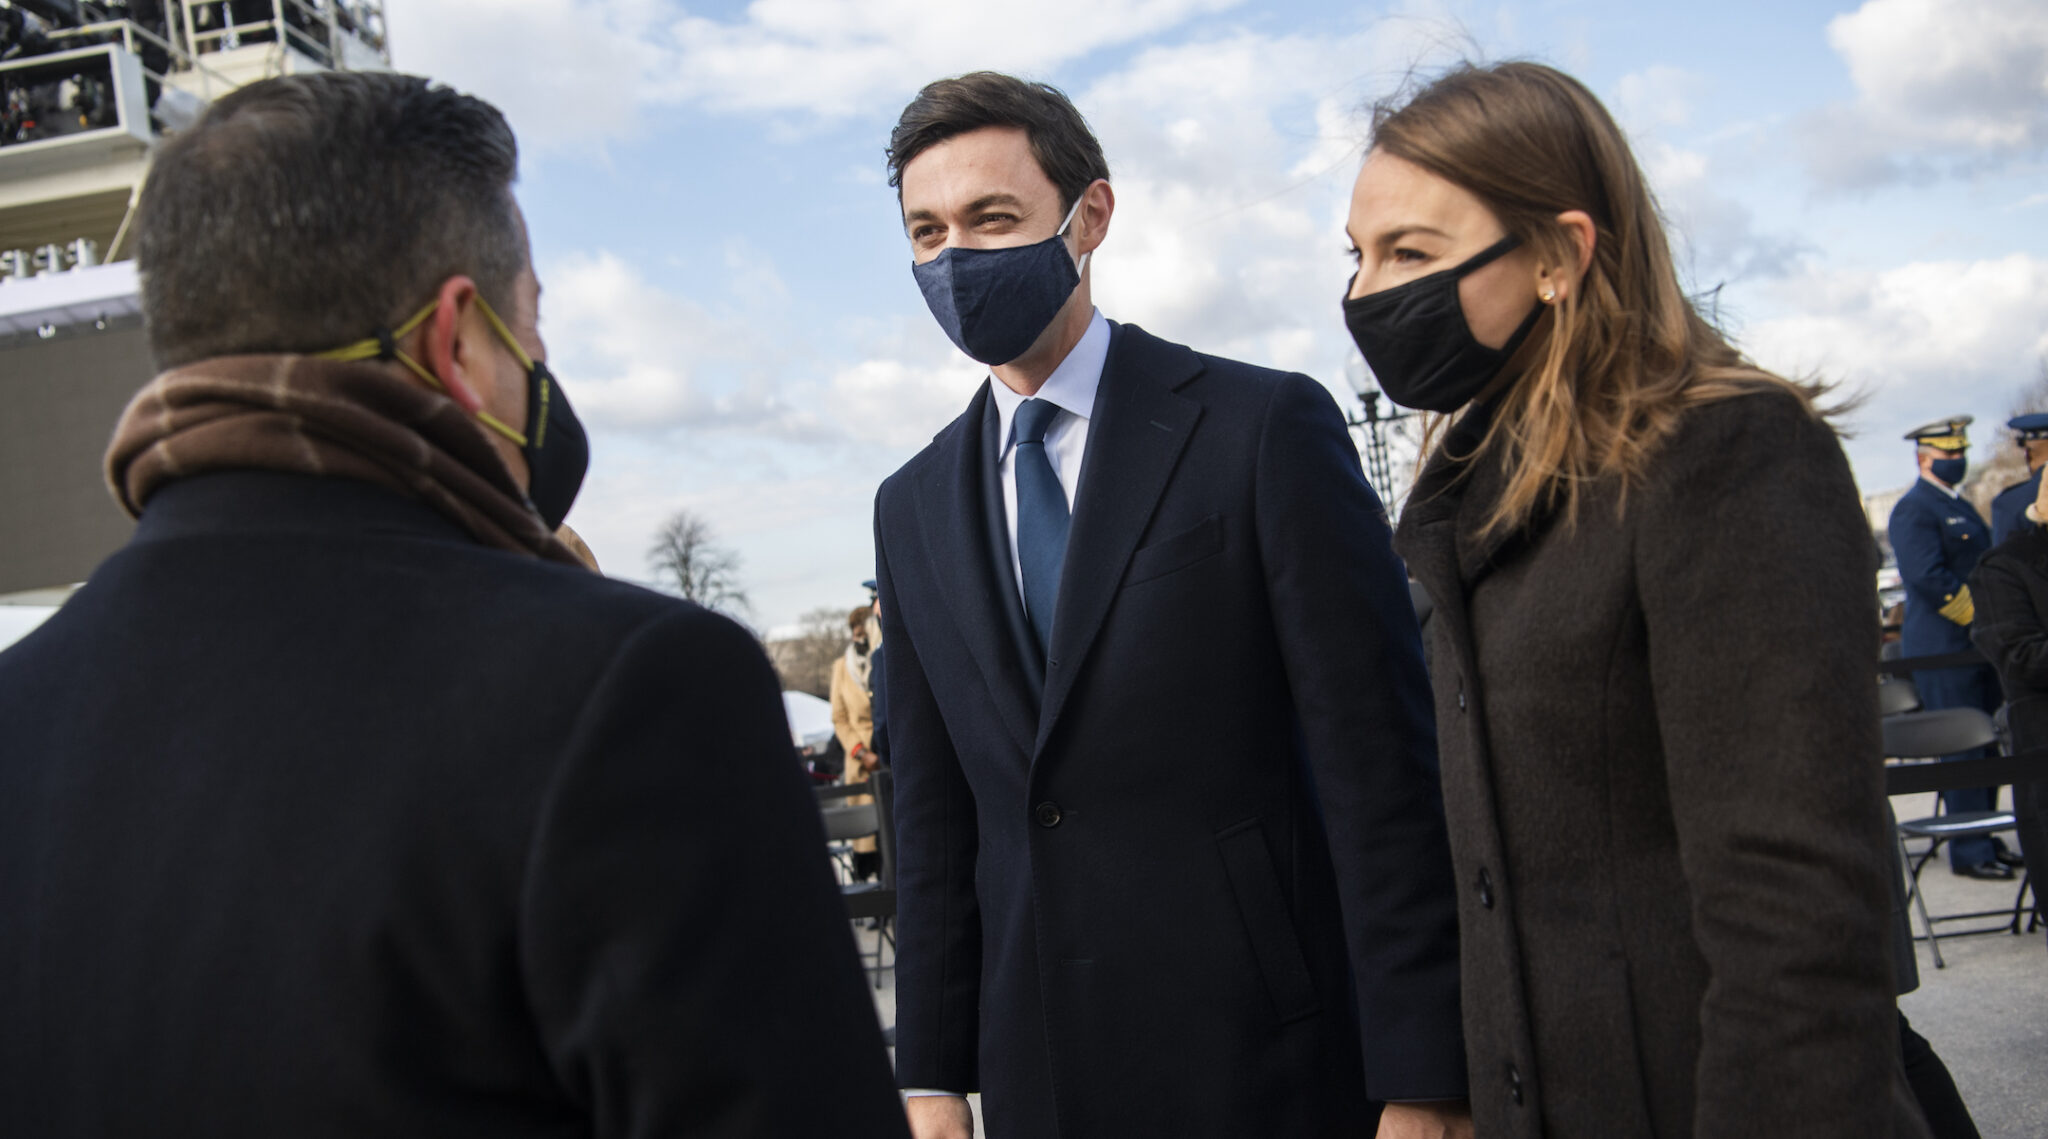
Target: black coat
{"x": 1661, "y": 767}
{"x": 1120, "y": 914}
{"x": 2010, "y": 588}
{"x": 319, "y": 819}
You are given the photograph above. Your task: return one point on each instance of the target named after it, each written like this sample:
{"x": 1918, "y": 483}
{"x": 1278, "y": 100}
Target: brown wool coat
{"x": 1661, "y": 771}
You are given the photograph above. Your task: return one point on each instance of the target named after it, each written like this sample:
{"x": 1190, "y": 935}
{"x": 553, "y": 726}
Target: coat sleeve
{"x": 2009, "y": 630}
{"x": 1756, "y": 576}
{"x": 685, "y": 952}
{"x": 938, "y": 918}
{"x": 1347, "y": 631}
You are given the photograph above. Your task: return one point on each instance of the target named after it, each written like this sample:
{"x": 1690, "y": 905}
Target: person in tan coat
{"x": 853, "y": 721}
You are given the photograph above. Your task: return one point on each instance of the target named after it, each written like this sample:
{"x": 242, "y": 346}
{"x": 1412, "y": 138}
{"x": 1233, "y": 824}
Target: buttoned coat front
{"x": 1187, "y": 875}
{"x": 1658, "y": 734}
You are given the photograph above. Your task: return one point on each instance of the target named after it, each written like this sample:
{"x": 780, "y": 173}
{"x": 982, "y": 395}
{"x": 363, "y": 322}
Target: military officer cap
{"x": 1951, "y": 434}
{"x": 2030, "y": 427}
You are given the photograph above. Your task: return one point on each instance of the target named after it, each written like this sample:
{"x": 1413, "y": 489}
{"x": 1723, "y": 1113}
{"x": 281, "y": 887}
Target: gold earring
{"x": 1549, "y": 295}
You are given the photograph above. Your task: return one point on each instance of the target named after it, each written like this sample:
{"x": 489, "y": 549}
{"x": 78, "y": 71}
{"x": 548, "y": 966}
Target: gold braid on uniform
{"x": 1960, "y": 608}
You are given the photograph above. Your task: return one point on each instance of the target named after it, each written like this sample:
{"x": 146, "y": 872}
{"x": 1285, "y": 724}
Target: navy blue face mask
{"x": 994, "y": 303}
{"x": 1949, "y": 471}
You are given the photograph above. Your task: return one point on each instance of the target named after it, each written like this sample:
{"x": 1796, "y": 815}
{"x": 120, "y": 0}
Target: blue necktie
{"x": 1041, "y": 517}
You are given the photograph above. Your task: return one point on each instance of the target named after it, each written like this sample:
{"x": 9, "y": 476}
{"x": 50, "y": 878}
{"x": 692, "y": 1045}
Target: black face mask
{"x": 1418, "y": 343}
{"x": 556, "y": 449}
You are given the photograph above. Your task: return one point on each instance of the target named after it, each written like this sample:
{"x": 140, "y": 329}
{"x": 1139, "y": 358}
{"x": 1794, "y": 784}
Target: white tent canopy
{"x": 810, "y": 719}
{"x": 17, "y": 620}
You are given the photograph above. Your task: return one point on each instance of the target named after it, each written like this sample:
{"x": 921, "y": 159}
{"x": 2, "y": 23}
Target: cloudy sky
{"x": 729, "y": 297}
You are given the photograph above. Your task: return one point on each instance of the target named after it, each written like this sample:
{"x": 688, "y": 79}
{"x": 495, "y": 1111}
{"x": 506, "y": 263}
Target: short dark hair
{"x": 1060, "y": 139}
{"x": 304, "y": 213}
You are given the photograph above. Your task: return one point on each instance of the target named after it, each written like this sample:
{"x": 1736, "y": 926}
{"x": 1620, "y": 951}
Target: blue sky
{"x": 729, "y": 298}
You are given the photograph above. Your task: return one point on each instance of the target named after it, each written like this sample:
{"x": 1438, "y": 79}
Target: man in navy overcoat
{"x": 1172, "y": 853}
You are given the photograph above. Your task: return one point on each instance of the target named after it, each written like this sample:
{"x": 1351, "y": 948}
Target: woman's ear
{"x": 1554, "y": 283}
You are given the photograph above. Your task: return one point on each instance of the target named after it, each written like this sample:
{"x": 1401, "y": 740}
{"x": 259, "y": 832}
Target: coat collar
{"x": 953, "y": 515}
{"x": 252, "y": 501}
{"x": 1135, "y": 438}
{"x": 1441, "y": 534}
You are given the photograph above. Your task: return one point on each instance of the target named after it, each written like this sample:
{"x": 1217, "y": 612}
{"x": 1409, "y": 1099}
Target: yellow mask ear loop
{"x": 384, "y": 346}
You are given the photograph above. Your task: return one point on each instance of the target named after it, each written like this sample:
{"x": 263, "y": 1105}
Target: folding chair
{"x": 870, "y": 901}
{"x": 1926, "y": 735}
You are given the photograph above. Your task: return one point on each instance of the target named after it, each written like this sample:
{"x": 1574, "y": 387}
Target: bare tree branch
{"x": 804, "y": 661}
{"x": 688, "y": 558}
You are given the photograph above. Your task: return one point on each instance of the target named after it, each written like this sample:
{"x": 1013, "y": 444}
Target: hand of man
{"x": 948, "y": 1117}
{"x": 1451, "y": 1119}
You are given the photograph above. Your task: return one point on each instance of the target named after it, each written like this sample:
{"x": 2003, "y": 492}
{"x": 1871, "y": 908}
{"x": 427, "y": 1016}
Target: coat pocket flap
{"x": 1267, "y": 922}
{"x": 1178, "y": 552}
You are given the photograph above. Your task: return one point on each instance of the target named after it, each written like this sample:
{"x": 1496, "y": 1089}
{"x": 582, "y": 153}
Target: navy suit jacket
{"x": 1937, "y": 540}
{"x": 1186, "y": 873}
{"x": 317, "y": 818}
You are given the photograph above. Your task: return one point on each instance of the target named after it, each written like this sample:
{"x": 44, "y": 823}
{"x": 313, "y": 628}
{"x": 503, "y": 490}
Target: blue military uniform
{"x": 1938, "y": 537}
{"x": 2009, "y": 509}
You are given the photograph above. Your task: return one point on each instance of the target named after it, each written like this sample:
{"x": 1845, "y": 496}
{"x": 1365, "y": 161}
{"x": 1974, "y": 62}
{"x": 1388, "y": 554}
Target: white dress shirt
{"x": 1071, "y": 388}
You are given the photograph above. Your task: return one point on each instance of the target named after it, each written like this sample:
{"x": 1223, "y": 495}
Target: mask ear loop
{"x": 1081, "y": 265}
{"x": 384, "y": 346}
{"x": 542, "y": 389}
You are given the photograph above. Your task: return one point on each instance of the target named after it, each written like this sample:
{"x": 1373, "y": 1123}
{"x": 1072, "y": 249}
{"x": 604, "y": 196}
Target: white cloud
{"x": 640, "y": 360}
{"x": 570, "y": 71}
{"x": 1233, "y": 160}
{"x": 1920, "y": 341}
{"x": 1656, "y": 97}
{"x": 832, "y": 57}
{"x": 1941, "y": 84}
{"x": 1715, "y": 236}
{"x": 629, "y": 353}
{"x": 562, "y": 70}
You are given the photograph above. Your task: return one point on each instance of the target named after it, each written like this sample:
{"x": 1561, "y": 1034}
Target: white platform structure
{"x": 93, "y": 89}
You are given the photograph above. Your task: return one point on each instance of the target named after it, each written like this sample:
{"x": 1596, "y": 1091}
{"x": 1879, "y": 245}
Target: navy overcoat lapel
{"x": 1136, "y": 435}
{"x": 951, "y": 515}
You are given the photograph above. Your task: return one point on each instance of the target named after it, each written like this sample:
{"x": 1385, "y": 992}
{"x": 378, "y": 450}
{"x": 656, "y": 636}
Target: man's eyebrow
{"x": 998, "y": 198}
{"x": 986, "y": 201}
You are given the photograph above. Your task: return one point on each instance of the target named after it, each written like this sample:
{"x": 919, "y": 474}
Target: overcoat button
{"x": 1048, "y": 814}
{"x": 1461, "y": 696}
{"x": 1485, "y": 888}
{"x": 1515, "y": 1084}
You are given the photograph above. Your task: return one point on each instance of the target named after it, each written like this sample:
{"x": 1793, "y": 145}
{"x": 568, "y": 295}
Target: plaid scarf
{"x": 346, "y": 419}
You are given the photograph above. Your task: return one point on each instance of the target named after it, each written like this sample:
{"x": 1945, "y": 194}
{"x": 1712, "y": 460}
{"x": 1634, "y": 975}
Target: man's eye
{"x": 994, "y": 219}
{"x": 924, "y": 233}
{"x": 1352, "y": 252}
{"x": 1409, "y": 256}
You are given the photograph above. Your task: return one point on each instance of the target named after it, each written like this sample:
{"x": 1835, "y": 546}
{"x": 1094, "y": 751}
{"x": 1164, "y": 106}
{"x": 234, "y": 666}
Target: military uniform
{"x": 2009, "y": 509}
{"x": 1938, "y": 537}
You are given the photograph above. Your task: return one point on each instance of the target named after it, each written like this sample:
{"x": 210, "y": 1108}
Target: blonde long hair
{"x": 1627, "y": 353}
